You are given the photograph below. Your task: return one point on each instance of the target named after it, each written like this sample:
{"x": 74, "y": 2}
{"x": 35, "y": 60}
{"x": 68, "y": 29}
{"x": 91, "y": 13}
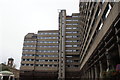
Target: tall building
{"x": 69, "y": 29}
{"x": 100, "y": 48}
{"x": 40, "y": 56}
{"x": 86, "y": 45}
{"x": 53, "y": 53}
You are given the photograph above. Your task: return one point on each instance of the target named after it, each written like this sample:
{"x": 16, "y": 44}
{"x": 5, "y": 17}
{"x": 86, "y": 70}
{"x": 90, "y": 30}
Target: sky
{"x": 19, "y": 17}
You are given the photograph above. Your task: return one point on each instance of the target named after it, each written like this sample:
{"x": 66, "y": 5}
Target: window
{"x": 75, "y": 19}
{"x": 23, "y": 64}
{"x": 47, "y": 41}
{"x": 31, "y": 64}
{"x": 47, "y": 33}
{"x": 75, "y": 24}
{"x": 30, "y": 41}
{"x": 69, "y": 61}
{"x": 68, "y": 41}
{"x": 68, "y": 36}
{"x": 47, "y": 51}
{"x": 74, "y": 45}
{"x": 68, "y": 50}
{"x": 29, "y": 45}
{"x": 29, "y": 50}
{"x": 47, "y": 37}
{"x": 68, "y": 24}
{"x": 68, "y": 45}
{"x": 28, "y": 55}
{"x": 68, "y": 20}
{"x": 55, "y": 65}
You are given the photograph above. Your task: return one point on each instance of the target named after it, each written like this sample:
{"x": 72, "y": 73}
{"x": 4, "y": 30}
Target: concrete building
{"x": 69, "y": 43}
{"x": 53, "y": 53}
{"x": 86, "y": 45}
{"x": 100, "y": 48}
{"x": 40, "y": 56}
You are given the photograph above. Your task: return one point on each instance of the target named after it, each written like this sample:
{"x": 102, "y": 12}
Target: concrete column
{"x": 119, "y": 51}
{"x": 96, "y": 74}
{"x": 92, "y": 74}
{"x": 118, "y": 47}
{"x": 89, "y": 75}
{"x": 118, "y": 44}
{"x": 108, "y": 60}
{"x": 101, "y": 69}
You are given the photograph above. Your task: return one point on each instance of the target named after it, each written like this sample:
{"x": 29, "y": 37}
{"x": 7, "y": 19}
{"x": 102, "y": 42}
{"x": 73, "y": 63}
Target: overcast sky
{"x": 19, "y": 17}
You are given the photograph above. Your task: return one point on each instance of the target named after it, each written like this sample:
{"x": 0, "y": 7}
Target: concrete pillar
{"x": 101, "y": 68}
{"x": 119, "y": 51}
{"x": 96, "y": 74}
{"x": 92, "y": 74}
{"x": 108, "y": 60}
{"x": 89, "y": 75}
{"x": 118, "y": 47}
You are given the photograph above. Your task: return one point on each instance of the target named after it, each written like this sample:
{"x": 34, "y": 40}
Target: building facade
{"x": 100, "y": 48}
{"x": 40, "y": 55}
{"x": 53, "y": 53}
{"x": 70, "y": 36}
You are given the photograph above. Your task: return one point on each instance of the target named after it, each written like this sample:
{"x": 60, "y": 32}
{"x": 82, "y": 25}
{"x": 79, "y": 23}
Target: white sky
{"x": 19, "y": 17}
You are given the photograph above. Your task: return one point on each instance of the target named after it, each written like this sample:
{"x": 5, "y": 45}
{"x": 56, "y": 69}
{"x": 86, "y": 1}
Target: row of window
{"x": 47, "y": 46}
{"x": 71, "y": 27}
{"x": 72, "y": 60}
{"x": 39, "y": 60}
{"x": 29, "y": 46}
{"x": 71, "y": 36}
{"x": 47, "y": 33}
{"x": 41, "y": 65}
{"x": 71, "y": 19}
{"x": 72, "y": 41}
{"x": 72, "y": 24}
{"x": 47, "y": 55}
{"x": 71, "y": 45}
{"x": 41, "y": 46}
{"x": 48, "y": 51}
{"x": 71, "y": 50}
{"x": 28, "y": 54}
{"x": 47, "y": 37}
{"x": 75, "y": 16}
{"x": 39, "y": 55}
{"x": 72, "y": 32}
{"x": 31, "y": 50}
{"x": 47, "y": 41}
{"x": 72, "y": 66}
{"x": 30, "y": 41}
{"x": 42, "y": 60}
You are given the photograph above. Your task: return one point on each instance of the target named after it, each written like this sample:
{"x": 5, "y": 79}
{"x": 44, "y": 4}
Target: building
{"x": 10, "y": 67}
{"x": 40, "y": 56}
{"x": 100, "y": 48}
{"x": 70, "y": 37}
{"x": 86, "y": 45}
{"x": 53, "y": 53}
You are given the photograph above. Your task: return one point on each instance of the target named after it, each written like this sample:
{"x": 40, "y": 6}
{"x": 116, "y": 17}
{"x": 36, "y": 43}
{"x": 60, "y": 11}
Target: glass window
{"x": 68, "y": 45}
